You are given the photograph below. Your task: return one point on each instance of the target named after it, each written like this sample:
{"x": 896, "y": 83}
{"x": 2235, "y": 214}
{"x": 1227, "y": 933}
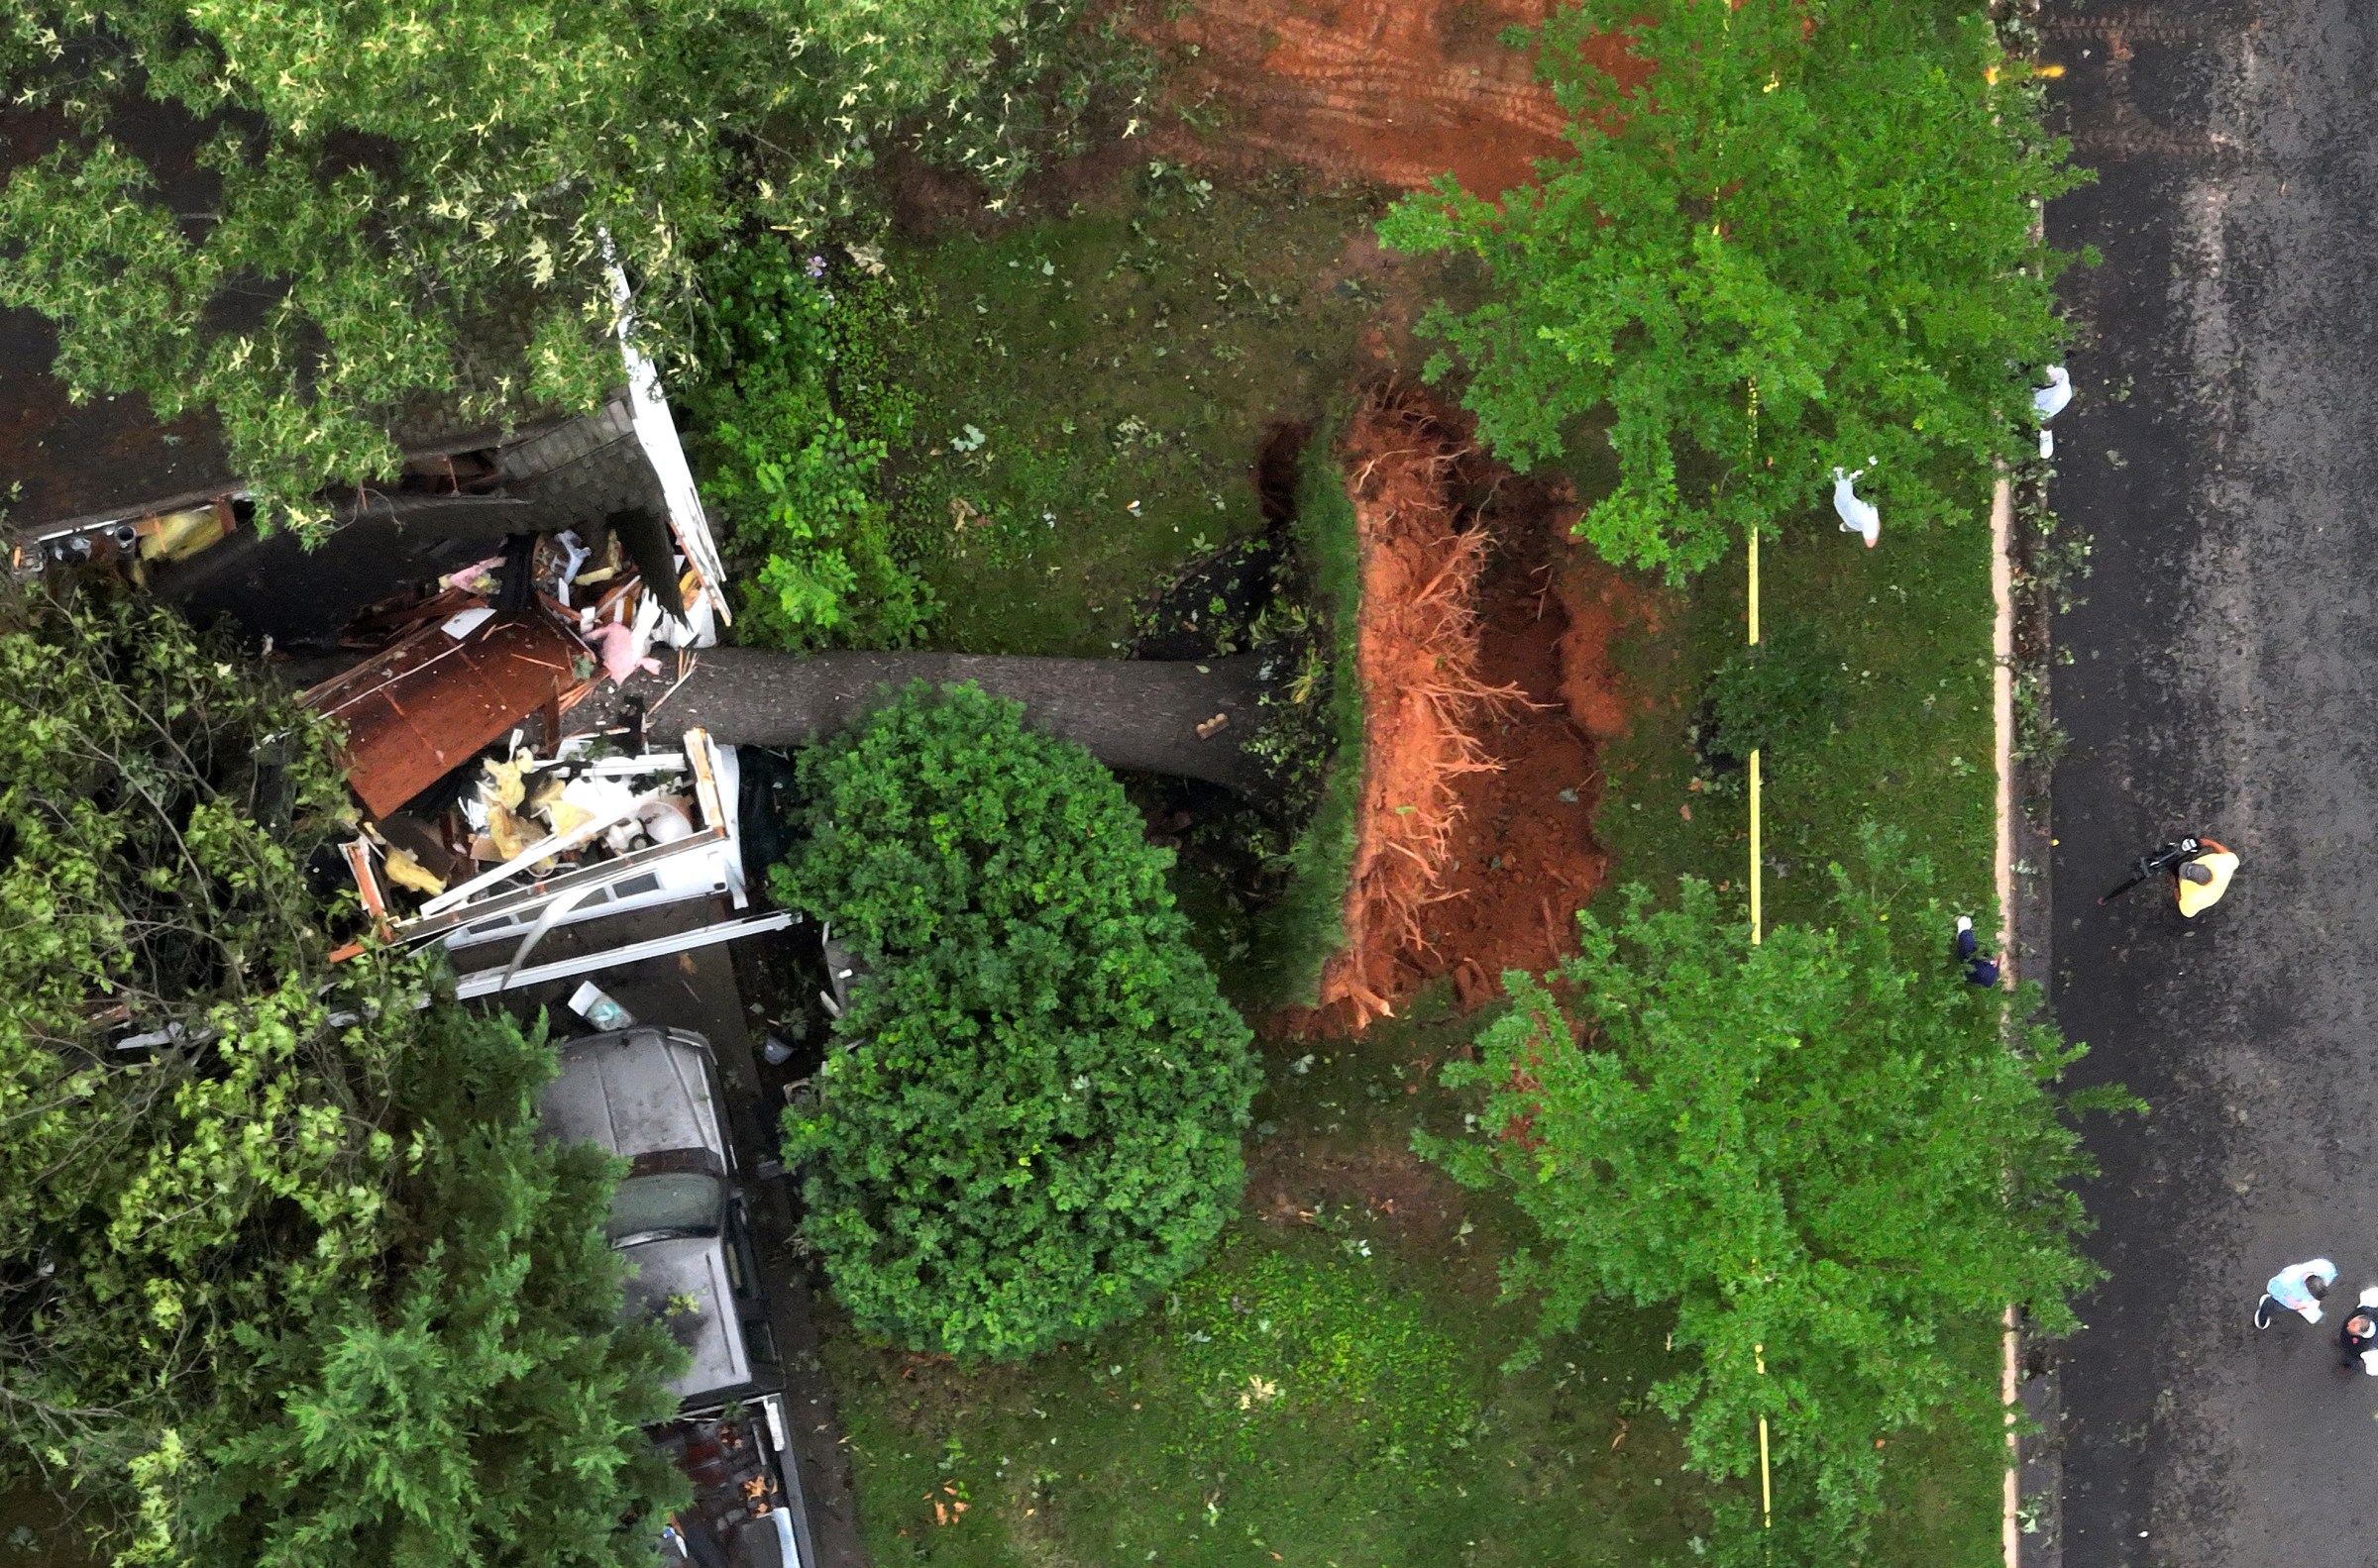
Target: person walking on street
{"x": 1979, "y": 966}
{"x": 2299, "y": 1288}
{"x": 2359, "y": 1333}
{"x": 2200, "y": 869}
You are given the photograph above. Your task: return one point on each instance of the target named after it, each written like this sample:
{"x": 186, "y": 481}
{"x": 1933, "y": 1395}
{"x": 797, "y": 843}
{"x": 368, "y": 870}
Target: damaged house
{"x": 473, "y": 606}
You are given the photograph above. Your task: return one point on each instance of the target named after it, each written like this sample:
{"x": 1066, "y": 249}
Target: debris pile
{"x": 739, "y": 1507}
{"x": 460, "y": 660}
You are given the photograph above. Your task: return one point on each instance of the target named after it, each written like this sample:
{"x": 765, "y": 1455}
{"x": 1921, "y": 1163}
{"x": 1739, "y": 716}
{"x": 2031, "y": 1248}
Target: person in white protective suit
{"x": 1863, "y": 518}
{"x": 2048, "y": 401}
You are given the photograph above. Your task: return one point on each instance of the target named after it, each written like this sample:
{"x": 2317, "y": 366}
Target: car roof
{"x": 640, "y": 1091}
{"x": 691, "y": 1269}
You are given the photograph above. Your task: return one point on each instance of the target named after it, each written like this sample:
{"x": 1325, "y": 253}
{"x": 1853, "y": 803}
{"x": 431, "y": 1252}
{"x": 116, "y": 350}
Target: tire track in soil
{"x": 1396, "y": 91}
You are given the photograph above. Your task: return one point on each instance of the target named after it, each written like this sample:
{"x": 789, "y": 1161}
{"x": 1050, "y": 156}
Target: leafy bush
{"x": 1822, "y": 1144}
{"x": 292, "y": 1284}
{"x": 1803, "y": 242}
{"x": 793, "y": 483}
{"x": 1028, "y": 1122}
{"x": 1779, "y": 697}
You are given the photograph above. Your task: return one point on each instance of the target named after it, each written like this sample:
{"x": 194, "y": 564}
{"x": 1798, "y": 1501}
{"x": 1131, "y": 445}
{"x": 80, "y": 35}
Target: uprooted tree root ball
{"x": 1488, "y": 687}
{"x": 1424, "y": 698}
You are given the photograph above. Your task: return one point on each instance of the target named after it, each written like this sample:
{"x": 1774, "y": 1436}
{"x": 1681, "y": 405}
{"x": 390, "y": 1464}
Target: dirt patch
{"x": 1292, "y": 1181}
{"x": 1600, "y": 606}
{"x": 1525, "y": 861}
{"x": 1398, "y": 92}
{"x": 1487, "y": 674}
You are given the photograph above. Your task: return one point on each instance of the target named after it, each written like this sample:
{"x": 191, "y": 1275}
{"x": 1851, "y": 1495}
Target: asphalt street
{"x": 2223, "y": 456}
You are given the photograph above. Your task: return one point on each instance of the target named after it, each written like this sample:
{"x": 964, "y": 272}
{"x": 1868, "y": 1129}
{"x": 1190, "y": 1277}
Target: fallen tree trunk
{"x": 1141, "y": 715}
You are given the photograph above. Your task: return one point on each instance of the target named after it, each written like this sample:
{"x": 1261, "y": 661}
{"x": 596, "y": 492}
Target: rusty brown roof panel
{"x": 419, "y": 710}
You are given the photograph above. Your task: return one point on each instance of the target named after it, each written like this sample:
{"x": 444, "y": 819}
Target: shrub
{"x": 1823, "y": 1144}
{"x": 1027, "y": 1124}
{"x": 1779, "y": 697}
{"x": 793, "y": 483}
{"x": 1805, "y": 240}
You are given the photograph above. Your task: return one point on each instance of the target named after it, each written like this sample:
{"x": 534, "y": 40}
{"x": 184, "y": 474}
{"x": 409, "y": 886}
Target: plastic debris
{"x": 574, "y": 555}
{"x": 621, "y": 651}
{"x": 590, "y": 1002}
{"x": 464, "y": 622}
{"x": 476, "y": 578}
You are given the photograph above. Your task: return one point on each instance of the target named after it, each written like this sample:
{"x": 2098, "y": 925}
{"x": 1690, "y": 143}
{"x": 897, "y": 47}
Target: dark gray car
{"x": 650, "y": 1096}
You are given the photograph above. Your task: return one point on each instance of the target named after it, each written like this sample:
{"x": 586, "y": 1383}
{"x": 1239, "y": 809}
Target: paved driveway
{"x": 2223, "y": 453}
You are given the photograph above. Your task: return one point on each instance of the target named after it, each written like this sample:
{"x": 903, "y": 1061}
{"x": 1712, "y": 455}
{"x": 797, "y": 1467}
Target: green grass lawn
{"x": 1091, "y": 392}
{"x": 1907, "y": 627}
{"x": 1329, "y": 1390}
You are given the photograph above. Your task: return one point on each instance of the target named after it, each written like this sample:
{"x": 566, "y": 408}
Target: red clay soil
{"x": 1598, "y": 604}
{"x": 1525, "y": 858}
{"x": 1398, "y": 92}
{"x": 1475, "y": 846}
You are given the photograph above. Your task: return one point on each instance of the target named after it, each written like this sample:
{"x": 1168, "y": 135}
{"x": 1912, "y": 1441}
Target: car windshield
{"x": 667, "y": 1204}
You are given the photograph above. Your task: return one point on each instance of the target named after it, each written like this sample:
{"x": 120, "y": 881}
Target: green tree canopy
{"x": 1027, "y": 1123}
{"x": 1823, "y": 1144}
{"x": 292, "y": 1282}
{"x": 471, "y": 1398}
{"x": 1802, "y": 242}
{"x": 412, "y": 200}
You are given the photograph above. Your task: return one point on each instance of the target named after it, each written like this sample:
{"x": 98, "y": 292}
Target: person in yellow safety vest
{"x": 2202, "y": 879}
{"x": 2200, "y": 869}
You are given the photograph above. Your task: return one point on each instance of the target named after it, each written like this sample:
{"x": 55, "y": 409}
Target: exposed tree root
{"x": 1425, "y": 701}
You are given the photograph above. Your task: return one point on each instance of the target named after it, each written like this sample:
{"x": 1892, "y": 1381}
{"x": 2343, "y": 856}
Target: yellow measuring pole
{"x": 1767, "y": 1492}
{"x": 1755, "y": 754}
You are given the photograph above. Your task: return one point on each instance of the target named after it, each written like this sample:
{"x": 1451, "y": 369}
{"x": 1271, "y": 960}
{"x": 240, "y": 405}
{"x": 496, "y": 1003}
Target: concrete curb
{"x": 2002, "y": 707}
{"x": 2030, "y": 1533}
